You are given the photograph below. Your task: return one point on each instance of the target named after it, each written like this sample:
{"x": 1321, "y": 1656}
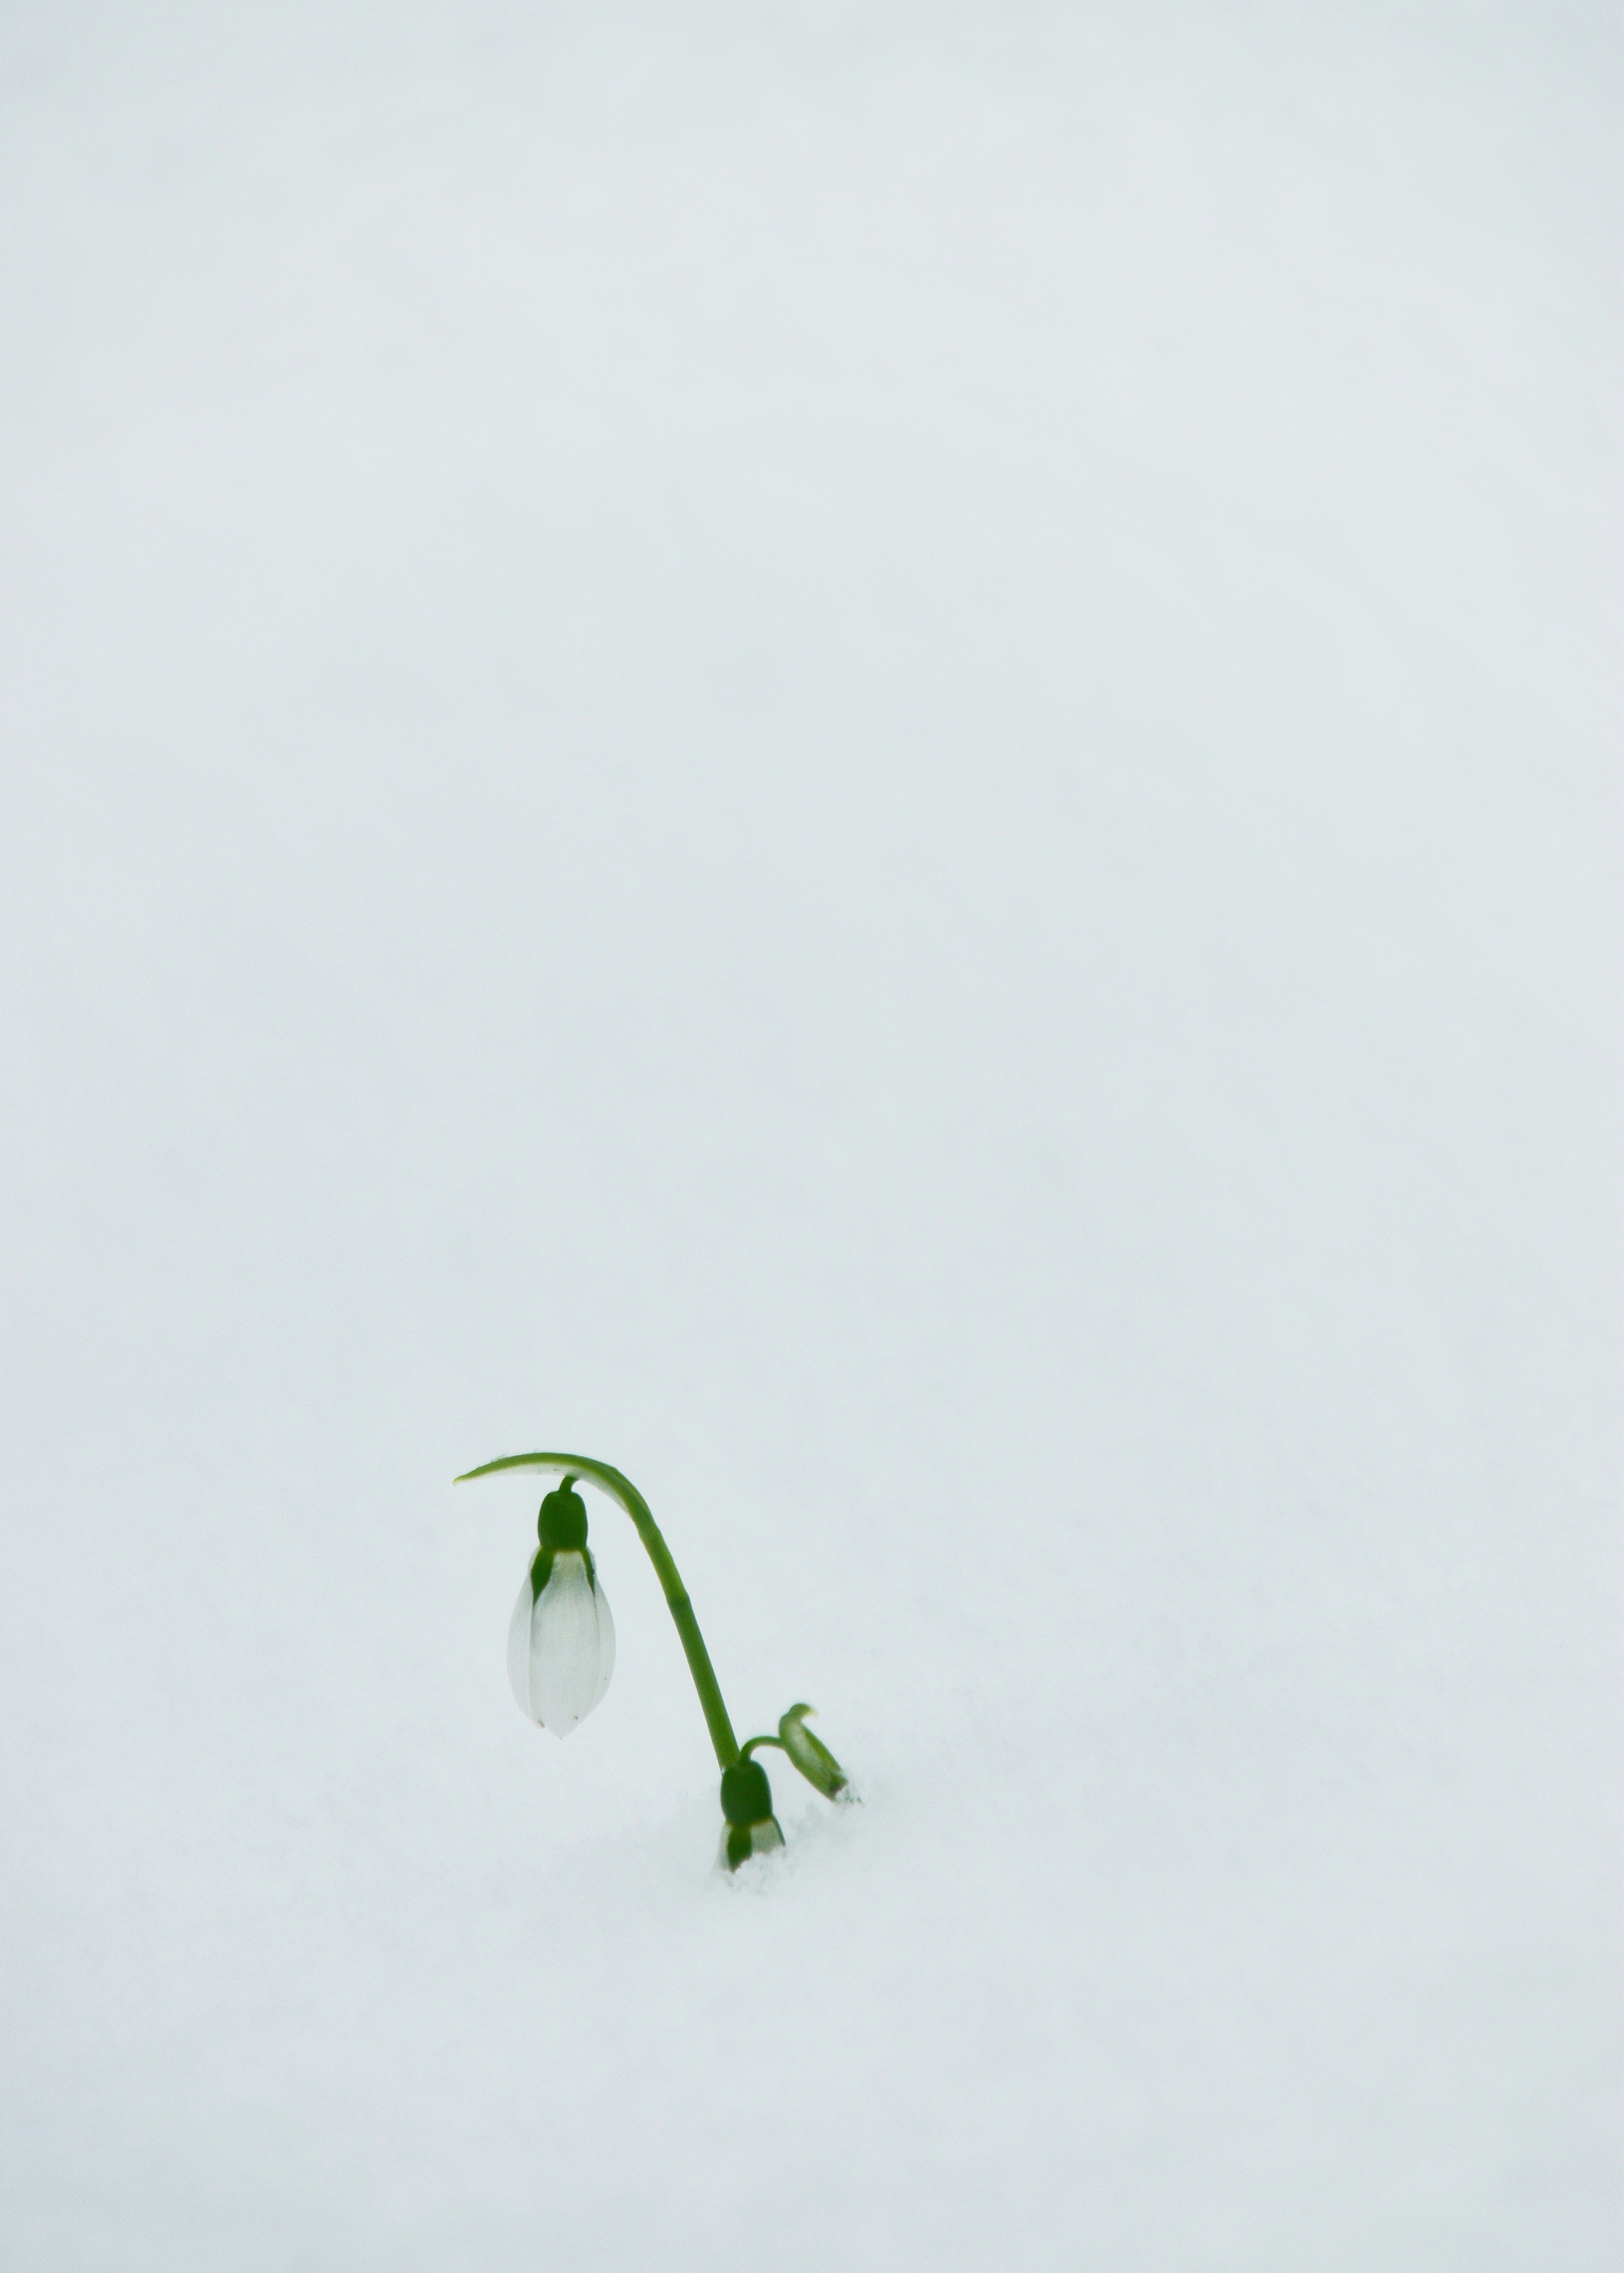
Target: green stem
{"x": 621, "y": 1488}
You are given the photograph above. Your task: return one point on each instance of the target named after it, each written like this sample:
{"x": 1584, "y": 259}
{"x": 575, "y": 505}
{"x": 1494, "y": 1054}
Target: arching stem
{"x": 621, "y": 1488}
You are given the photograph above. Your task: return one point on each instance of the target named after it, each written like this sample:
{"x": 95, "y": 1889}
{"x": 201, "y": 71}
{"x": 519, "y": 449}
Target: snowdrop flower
{"x": 560, "y": 1641}
{"x": 561, "y": 1648}
{"x": 751, "y": 1827}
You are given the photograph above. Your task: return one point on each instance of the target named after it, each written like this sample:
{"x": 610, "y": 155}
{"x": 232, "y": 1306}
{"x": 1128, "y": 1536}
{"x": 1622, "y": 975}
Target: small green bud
{"x": 751, "y": 1827}
{"x": 814, "y": 1759}
{"x": 746, "y": 1795}
{"x": 561, "y": 1524}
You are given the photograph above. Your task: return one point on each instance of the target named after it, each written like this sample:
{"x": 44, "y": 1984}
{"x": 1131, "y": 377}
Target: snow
{"x": 866, "y": 757}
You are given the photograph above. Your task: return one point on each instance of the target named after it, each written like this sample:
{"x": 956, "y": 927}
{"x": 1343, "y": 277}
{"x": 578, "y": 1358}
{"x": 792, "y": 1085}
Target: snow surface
{"x": 864, "y": 755}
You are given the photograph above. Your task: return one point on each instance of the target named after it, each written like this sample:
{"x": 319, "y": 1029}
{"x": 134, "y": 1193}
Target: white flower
{"x": 560, "y": 1644}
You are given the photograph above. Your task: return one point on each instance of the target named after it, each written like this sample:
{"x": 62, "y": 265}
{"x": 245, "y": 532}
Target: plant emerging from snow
{"x": 561, "y": 1649}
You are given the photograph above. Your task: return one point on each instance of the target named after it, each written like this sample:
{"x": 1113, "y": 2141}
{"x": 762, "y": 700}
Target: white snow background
{"x": 865, "y": 755}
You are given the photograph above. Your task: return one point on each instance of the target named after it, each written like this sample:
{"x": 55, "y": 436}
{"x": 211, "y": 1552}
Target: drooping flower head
{"x": 560, "y": 1641}
{"x": 751, "y": 1827}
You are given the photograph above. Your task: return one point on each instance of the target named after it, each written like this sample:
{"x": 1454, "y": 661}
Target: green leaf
{"x": 814, "y": 1759}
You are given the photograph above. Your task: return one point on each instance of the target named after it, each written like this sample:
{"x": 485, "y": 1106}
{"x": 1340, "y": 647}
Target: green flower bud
{"x": 562, "y": 1521}
{"x": 747, "y": 1802}
{"x": 815, "y": 1759}
{"x": 746, "y": 1795}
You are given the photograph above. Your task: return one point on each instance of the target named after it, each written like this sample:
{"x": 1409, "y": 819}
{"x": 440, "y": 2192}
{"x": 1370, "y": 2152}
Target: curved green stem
{"x": 750, "y": 1744}
{"x": 622, "y": 1489}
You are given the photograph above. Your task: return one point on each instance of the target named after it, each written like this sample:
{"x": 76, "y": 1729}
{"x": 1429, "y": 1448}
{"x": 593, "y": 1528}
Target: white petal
{"x": 572, "y": 1647}
{"x": 519, "y": 1649}
{"x": 605, "y": 1648}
